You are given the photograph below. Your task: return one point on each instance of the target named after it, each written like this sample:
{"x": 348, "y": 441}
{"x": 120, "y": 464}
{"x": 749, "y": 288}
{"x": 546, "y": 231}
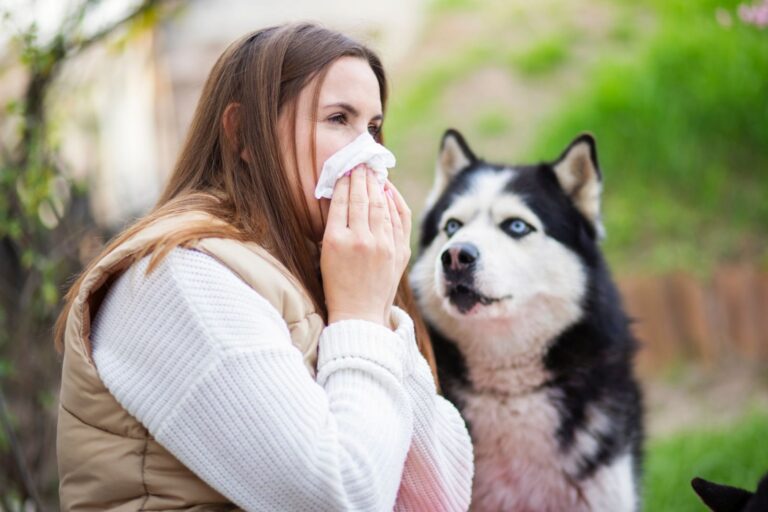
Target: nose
{"x": 459, "y": 257}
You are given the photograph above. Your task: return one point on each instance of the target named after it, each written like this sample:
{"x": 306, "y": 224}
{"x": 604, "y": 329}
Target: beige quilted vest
{"x": 107, "y": 459}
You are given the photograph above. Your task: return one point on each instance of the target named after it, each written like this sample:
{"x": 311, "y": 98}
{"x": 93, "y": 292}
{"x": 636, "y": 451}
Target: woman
{"x": 215, "y": 357}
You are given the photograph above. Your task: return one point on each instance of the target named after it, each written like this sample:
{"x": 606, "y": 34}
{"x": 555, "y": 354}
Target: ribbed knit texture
{"x": 207, "y": 365}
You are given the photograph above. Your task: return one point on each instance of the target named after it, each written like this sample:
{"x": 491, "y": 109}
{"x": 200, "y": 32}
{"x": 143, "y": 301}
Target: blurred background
{"x": 96, "y": 96}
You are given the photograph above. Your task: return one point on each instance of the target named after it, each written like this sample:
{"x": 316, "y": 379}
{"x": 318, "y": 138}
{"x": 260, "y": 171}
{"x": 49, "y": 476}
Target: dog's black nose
{"x": 459, "y": 257}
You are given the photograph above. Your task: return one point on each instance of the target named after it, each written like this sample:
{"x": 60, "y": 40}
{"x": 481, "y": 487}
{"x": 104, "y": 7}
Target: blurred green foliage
{"x": 453, "y": 5}
{"x": 542, "y": 56}
{"x": 736, "y": 455}
{"x": 493, "y": 123}
{"x": 415, "y": 105}
{"x": 676, "y": 94}
{"x": 682, "y": 130}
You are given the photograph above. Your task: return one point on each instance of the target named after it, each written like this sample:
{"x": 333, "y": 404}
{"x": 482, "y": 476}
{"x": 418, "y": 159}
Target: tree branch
{"x": 76, "y": 47}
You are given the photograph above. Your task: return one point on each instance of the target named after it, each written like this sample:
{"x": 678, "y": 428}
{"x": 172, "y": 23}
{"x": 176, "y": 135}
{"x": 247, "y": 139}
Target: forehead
{"x": 351, "y": 80}
{"x": 488, "y": 190}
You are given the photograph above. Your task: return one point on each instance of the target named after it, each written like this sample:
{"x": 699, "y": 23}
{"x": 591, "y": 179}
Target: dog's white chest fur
{"x": 515, "y": 446}
{"x": 519, "y": 467}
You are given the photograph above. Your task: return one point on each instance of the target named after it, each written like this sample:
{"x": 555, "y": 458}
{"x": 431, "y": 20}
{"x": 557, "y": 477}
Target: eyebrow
{"x": 352, "y": 110}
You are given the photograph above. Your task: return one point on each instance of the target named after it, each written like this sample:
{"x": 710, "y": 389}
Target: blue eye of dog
{"x": 452, "y": 226}
{"x": 518, "y": 228}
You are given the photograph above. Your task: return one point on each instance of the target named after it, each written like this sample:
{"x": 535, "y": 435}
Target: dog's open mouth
{"x": 465, "y": 298}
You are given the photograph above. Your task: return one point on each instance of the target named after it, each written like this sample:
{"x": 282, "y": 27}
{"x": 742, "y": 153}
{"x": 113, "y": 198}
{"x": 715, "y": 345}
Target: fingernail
{"x": 389, "y": 193}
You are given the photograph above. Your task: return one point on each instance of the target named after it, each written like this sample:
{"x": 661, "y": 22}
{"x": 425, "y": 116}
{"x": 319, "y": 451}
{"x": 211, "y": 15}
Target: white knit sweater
{"x": 207, "y": 365}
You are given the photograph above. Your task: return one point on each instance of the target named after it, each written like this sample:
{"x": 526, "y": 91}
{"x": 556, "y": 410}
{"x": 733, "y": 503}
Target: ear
{"x": 454, "y": 156}
{"x": 579, "y": 176}
{"x": 720, "y": 498}
{"x": 230, "y": 120}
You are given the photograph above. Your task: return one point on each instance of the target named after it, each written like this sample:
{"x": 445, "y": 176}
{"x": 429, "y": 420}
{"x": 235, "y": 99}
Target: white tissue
{"x": 362, "y": 150}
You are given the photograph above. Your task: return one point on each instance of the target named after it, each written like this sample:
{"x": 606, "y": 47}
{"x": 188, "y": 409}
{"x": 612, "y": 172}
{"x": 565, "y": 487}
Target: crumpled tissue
{"x": 363, "y": 150}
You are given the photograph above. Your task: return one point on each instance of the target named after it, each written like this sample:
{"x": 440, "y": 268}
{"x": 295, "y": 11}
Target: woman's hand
{"x": 401, "y": 229}
{"x": 363, "y": 249}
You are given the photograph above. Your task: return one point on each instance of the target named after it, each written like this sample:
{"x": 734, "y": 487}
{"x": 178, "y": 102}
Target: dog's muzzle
{"x": 459, "y": 266}
{"x": 459, "y": 262}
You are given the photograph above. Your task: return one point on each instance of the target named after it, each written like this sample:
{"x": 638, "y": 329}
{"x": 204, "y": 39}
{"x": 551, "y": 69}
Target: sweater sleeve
{"x": 207, "y": 365}
{"x": 439, "y": 467}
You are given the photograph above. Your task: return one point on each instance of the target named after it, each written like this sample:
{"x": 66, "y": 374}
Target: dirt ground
{"x": 696, "y": 397}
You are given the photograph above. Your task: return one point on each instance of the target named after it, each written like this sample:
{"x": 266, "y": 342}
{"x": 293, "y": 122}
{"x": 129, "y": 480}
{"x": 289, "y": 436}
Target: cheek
{"x": 544, "y": 268}
{"x": 328, "y": 142}
{"x": 510, "y": 267}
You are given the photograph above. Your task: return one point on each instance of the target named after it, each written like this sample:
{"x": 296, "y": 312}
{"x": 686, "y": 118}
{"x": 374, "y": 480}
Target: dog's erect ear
{"x": 721, "y": 498}
{"x": 454, "y": 156}
{"x": 579, "y": 176}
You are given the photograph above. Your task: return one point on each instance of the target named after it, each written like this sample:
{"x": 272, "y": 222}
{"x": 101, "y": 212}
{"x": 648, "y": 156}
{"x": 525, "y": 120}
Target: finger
{"x": 358, "y": 201}
{"x": 397, "y": 225}
{"x": 338, "y": 211}
{"x": 378, "y": 212}
{"x": 403, "y": 211}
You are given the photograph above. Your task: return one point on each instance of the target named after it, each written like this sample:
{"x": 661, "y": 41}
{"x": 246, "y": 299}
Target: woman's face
{"x": 348, "y": 104}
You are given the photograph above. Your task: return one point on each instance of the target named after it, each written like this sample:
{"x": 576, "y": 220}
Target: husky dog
{"x": 724, "y": 498}
{"x": 531, "y": 341}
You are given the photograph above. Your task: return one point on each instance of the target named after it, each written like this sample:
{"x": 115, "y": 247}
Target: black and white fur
{"x": 531, "y": 341}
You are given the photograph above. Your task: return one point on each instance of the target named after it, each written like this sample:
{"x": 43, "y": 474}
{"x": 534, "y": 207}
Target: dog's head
{"x": 724, "y": 498}
{"x": 510, "y": 246}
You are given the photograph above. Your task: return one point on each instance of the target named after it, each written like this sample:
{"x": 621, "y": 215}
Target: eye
{"x": 452, "y": 226}
{"x": 339, "y": 118}
{"x": 374, "y": 129}
{"x": 517, "y": 228}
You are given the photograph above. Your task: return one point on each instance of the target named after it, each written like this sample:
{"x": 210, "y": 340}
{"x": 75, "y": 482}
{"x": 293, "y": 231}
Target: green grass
{"x": 736, "y": 455}
{"x": 682, "y": 131}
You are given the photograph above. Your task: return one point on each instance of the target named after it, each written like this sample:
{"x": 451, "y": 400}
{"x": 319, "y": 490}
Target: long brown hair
{"x": 263, "y": 72}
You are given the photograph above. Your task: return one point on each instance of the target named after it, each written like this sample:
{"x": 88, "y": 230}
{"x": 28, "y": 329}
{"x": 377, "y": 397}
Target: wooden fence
{"x": 681, "y": 318}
